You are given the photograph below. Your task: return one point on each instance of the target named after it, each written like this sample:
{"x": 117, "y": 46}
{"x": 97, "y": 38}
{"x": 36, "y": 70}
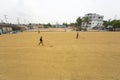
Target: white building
{"x": 95, "y": 20}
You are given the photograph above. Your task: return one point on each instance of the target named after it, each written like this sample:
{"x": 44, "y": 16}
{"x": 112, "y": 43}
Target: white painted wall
{"x": 95, "y": 20}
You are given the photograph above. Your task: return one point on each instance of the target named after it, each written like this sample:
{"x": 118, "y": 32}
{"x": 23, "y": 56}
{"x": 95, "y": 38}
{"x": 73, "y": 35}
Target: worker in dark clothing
{"x": 77, "y": 35}
{"x": 41, "y": 41}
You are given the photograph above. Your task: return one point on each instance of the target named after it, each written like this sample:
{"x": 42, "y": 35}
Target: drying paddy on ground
{"x": 94, "y": 56}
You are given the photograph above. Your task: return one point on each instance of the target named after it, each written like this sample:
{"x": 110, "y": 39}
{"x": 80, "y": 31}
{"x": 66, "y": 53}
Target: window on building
{"x": 89, "y": 23}
{"x": 99, "y": 17}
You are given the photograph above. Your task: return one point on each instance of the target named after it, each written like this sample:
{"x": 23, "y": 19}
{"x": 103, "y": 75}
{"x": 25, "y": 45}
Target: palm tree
{"x": 79, "y": 22}
{"x": 86, "y": 21}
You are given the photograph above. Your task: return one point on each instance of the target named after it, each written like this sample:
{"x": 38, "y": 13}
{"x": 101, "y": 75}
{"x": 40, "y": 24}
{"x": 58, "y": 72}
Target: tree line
{"x": 114, "y": 23}
{"x": 85, "y": 21}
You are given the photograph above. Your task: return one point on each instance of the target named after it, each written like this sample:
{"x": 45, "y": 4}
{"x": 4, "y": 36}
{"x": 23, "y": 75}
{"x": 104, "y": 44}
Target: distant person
{"x": 39, "y": 32}
{"x": 41, "y": 41}
{"x": 77, "y": 35}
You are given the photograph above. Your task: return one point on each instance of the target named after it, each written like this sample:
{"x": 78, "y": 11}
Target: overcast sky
{"x": 45, "y": 11}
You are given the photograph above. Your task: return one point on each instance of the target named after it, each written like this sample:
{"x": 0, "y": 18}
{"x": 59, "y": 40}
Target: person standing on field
{"x": 41, "y": 41}
{"x": 77, "y": 35}
{"x": 39, "y": 31}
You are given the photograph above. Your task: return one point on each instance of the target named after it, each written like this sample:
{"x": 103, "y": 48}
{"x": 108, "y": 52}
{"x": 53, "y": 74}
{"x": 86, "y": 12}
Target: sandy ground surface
{"x": 94, "y": 56}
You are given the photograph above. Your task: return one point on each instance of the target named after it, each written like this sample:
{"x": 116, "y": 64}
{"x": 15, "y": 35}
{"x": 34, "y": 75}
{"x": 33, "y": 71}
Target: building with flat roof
{"x": 94, "y": 20}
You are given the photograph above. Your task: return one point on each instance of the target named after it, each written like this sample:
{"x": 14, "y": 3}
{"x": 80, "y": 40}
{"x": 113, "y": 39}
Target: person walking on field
{"x": 77, "y": 35}
{"x": 41, "y": 41}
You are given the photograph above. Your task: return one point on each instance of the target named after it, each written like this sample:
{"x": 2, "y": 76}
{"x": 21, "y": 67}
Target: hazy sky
{"x": 45, "y": 11}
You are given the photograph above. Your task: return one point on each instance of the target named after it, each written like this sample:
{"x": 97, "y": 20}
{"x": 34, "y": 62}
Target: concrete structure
{"x": 19, "y": 27}
{"x": 35, "y": 26}
{"x": 0, "y": 31}
{"x": 58, "y": 25}
{"x": 95, "y": 20}
{"x": 5, "y": 28}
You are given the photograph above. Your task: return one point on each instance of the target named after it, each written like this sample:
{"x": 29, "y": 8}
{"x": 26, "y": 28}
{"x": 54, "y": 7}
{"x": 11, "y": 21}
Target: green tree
{"x": 86, "y": 21}
{"x": 65, "y": 24}
{"x": 79, "y": 22}
{"x": 73, "y": 24}
{"x": 49, "y": 25}
{"x": 115, "y": 24}
{"x": 105, "y": 23}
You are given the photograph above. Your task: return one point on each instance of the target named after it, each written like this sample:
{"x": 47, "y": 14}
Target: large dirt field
{"x": 94, "y": 56}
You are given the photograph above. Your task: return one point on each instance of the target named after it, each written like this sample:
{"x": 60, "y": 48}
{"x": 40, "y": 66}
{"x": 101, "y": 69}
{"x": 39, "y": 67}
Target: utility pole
{"x": 24, "y": 21}
{"x": 1, "y": 21}
{"x": 115, "y": 17}
{"x": 5, "y": 16}
{"x": 18, "y": 20}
